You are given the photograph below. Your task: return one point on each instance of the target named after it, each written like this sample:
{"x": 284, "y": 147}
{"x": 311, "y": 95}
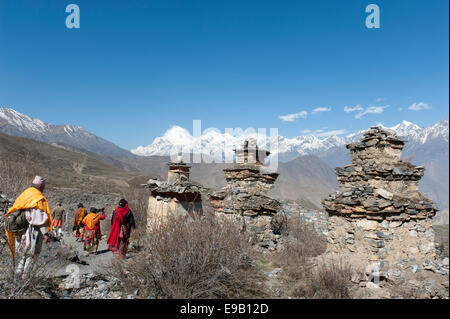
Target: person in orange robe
{"x": 39, "y": 217}
{"x": 78, "y": 217}
{"x": 92, "y": 231}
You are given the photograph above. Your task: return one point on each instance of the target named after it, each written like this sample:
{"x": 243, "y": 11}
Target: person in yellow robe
{"x": 39, "y": 217}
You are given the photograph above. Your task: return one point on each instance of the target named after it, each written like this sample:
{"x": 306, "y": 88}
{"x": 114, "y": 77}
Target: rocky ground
{"x": 83, "y": 276}
{"x": 407, "y": 279}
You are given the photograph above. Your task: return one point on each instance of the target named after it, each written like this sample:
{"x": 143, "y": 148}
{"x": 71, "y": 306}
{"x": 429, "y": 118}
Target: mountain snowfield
{"x": 24, "y": 123}
{"x": 18, "y": 124}
{"x": 215, "y": 144}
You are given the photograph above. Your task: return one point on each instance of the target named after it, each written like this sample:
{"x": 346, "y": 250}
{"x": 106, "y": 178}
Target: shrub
{"x": 39, "y": 278}
{"x": 304, "y": 276}
{"x": 300, "y": 242}
{"x": 192, "y": 258}
{"x": 15, "y": 176}
{"x": 328, "y": 280}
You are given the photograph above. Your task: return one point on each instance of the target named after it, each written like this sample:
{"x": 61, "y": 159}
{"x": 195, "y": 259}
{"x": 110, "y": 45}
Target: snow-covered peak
{"x": 35, "y": 126}
{"x": 18, "y": 124}
{"x": 406, "y": 128}
{"x": 214, "y": 142}
{"x": 22, "y": 121}
{"x": 441, "y": 127}
{"x": 177, "y": 135}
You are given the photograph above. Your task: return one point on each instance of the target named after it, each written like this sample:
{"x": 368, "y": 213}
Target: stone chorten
{"x": 244, "y": 198}
{"x": 177, "y": 196}
{"x": 378, "y": 213}
{"x": 178, "y": 172}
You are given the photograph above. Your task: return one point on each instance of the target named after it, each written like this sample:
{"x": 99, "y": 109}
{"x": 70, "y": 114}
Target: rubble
{"x": 244, "y": 198}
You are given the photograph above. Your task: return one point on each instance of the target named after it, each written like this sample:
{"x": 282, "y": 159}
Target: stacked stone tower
{"x": 378, "y": 213}
{"x": 178, "y": 196}
{"x": 244, "y": 198}
{"x": 178, "y": 172}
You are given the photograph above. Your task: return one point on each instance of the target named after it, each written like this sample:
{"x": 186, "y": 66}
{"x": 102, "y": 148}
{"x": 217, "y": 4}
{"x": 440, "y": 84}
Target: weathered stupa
{"x": 244, "y": 198}
{"x": 378, "y": 213}
{"x": 177, "y": 196}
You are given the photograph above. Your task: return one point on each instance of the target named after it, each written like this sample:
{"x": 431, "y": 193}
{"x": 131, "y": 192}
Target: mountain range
{"x": 305, "y": 162}
{"x": 216, "y": 144}
{"x": 18, "y": 124}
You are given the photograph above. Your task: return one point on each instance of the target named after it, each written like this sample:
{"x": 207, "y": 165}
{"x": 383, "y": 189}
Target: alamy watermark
{"x": 373, "y": 272}
{"x": 373, "y": 19}
{"x": 73, "y": 19}
{"x": 73, "y": 280}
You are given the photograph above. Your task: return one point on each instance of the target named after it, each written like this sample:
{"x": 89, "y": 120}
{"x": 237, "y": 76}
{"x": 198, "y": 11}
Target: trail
{"x": 96, "y": 264}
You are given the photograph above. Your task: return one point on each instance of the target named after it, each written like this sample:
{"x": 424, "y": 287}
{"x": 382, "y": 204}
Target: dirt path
{"x": 87, "y": 264}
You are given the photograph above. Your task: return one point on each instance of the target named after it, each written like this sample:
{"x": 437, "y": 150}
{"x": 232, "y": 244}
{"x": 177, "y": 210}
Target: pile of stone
{"x": 378, "y": 213}
{"x": 244, "y": 199}
{"x": 177, "y": 196}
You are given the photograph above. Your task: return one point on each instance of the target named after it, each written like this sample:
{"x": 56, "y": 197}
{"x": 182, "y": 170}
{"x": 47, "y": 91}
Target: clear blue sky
{"x": 135, "y": 68}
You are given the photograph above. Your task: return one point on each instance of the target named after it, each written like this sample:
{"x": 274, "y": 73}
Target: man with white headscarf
{"x": 37, "y": 212}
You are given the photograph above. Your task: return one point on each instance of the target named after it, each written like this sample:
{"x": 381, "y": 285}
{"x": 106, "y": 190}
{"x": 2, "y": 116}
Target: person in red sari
{"x": 122, "y": 222}
{"x": 92, "y": 231}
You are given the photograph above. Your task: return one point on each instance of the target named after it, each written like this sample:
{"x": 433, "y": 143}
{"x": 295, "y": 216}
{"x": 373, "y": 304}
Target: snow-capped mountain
{"x": 18, "y": 124}
{"x": 214, "y": 143}
{"x": 218, "y": 145}
{"x": 420, "y": 135}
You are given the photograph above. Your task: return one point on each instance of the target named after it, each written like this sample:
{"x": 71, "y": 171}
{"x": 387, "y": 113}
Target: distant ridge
{"x": 18, "y": 124}
{"x": 213, "y": 142}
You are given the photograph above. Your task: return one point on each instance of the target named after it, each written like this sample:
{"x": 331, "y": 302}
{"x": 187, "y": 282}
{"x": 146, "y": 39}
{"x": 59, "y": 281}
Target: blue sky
{"x": 134, "y": 68}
